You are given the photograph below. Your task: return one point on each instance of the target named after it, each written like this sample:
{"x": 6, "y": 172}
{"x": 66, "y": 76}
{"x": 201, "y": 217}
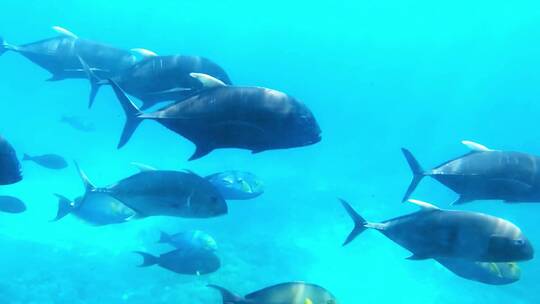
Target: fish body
{"x": 10, "y": 167}
{"x": 189, "y": 262}
{"x": 50, "y": 161}
{"x": 189, "y": 240}
{"x": 487, "y": 273}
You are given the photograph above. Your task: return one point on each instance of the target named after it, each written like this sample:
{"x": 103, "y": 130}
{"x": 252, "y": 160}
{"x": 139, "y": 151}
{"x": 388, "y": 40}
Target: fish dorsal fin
{"x": 425, "y": 206}
{"x": 144, "y": 52}
{"x": 475, "y": 147}
{"x": 143, "y": 167}
{"x": 62, "y": 31}
{"x": 88, "y": 186}
{"x": 207, "y": 80}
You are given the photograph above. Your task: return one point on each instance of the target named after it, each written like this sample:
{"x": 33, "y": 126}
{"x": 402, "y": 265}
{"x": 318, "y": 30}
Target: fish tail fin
{"x": 360, "y": 224}
{"x": 88, "y": 186}
{"x": 4, "y": 46}
{"x": 95, "y": 81}
{"x": 64, "y": 207}
{"x": 133, "y": 114}
{"x": 164, "y": 237}
{"x": 26, "y": 157}
{"x": 148, "y": 259}
{"x": 418, "y": 173}
{"x": 228, "y": 297}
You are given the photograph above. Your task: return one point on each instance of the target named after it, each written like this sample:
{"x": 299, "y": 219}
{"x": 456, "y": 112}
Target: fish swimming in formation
{"x": 60, "y": 56}
{"x": 189, "y": 240}
{"x": 487, "y": 273}
{"x": 78, "y": 123}
{"x": 166, "y": 193}
{"x": 237, "y": 185}
{"x": 162, "y": 78}
{"x": 284, "y": 293}
{"x": 484, "y": 174}
{"x": 220, "y": 116}
{"x": 10, "y": 204}
{"x": 95, "y": 208}
{"x": 191, "y": 262}
{"x": 437, "y": 233}
{"x": 50, "y": 161}
{"x": 10, "y": 168}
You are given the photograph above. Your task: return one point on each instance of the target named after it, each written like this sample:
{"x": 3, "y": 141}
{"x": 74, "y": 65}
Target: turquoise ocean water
{"x": 378, "y": 75}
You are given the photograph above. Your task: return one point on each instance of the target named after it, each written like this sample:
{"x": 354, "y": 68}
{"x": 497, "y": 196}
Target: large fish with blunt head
{"x": 10, "y": 167}
{"x": 433, "y": 233}
{"x": 484, "y": 174}
{"x": 166, "y": 193}
{"x": 220, "y": 116}
{"x": 284, "y": 293}
{"x": 163, "y": 78}
{"x": 61, "y": 56}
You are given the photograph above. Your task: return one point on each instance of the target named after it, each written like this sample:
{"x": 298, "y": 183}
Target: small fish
{"x": 10, "y": 168}
{"x": 11, "y": 204}
{"x": 286, "y": 293}
{"x": 237, "y": 185}
{"x": 487, "y": 273}
{"x": 78, "y": 123}
{"x": 193, "y": 262}
{"x": 50, "y": 161}
{"x": 189, "y": 240}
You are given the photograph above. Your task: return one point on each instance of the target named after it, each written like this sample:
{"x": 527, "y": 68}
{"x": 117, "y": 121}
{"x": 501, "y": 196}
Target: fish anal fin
{"x": 200, "y": 151}
{"x": 461, "y": 200}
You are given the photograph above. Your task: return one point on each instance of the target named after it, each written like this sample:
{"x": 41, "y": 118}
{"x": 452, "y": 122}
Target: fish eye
{"x": 519, "y": 242}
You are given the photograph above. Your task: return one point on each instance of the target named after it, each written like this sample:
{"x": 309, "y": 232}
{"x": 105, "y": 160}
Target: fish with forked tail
{"x": 191, "y": 262}
{"x": 484, "y": 174}
{"x": 437, "y": 233}
{"x": 50, "y": 161}
{"x": 220, "y": 116}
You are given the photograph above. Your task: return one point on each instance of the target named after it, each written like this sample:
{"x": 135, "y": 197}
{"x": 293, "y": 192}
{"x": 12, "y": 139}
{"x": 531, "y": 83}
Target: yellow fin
{"x": 308, "y": 301}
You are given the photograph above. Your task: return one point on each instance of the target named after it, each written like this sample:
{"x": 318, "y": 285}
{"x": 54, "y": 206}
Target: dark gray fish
{"x": 437, "y": 233}
{"x": 11, "y": 204}
{"x": 252, "y": 118}
{"x": 484, "y": 174}
{"x": 78, "y": 123}
{"x": 95, "y": 208}
{"x": 10, "y": 168}
{"x": 61, "y": 56}
{"x": 169, "y": 193}
{"x": 189, "y": 240}
{"x": 237, "y": 185}
{"x": 164, "y": 78}
{"x": 193, "y": 262}
{"x": 50, "y": 161}
{"x": 284, "y": 293}
{"x": 487, "y": 273}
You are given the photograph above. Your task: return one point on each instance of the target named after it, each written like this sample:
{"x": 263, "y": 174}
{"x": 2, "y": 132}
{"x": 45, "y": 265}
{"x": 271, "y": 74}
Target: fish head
{"x": 302, "y": 127}
{"x": 239, "y": 184}
{"x": 509, "y": 248}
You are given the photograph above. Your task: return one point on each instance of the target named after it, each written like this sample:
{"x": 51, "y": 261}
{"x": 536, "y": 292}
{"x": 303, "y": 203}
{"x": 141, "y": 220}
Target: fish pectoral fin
{"x": 208, "y": 81}
{"x": 143, "y": 52}
{"x": 418, "y": 257}
{"x": 425, "y": 206}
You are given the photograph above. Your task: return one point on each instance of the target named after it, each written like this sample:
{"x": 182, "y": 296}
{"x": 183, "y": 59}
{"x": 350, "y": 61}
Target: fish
{"x": 487, "y": 273}
{"x": 192, "y": 239}
{"x": 164, "y": 193}
{"x": 189, "y": 262}
{"x": 10, "y": 167}
{"x": 484, "y": 174}
{"x": 284, "y": 293}
{"x": 97, "y": 209}
{"x": 78, "y": 123}
{"x": 237, "y": 185}
{"x": 49, "y": 161}
{"x": 436, "y": 233}
{"x": 61, "y": 56}
{"x": 10, "y": 204}
{"x": 157, "y": 79}
{"x": 252, "y": 118}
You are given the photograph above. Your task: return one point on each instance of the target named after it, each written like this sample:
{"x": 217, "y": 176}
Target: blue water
{"x": 378, "y": 75}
